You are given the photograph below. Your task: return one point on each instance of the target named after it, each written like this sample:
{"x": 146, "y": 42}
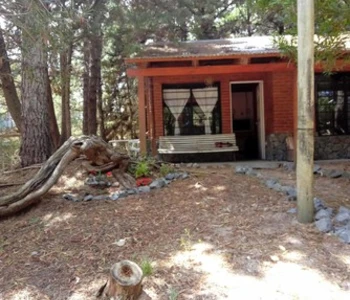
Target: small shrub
{"x": 186, "y": 240}
{"x": 165, "y": 169}
{"x": 142, "y": 169}
{"x": 173, "y": 294}
{"x": 146, "y": 267}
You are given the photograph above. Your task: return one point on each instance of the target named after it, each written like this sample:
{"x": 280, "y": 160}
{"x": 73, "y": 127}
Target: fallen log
{"x": 95, "y": 150}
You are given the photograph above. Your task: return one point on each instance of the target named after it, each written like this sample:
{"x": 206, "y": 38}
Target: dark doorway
{"x": 245, "y": 119}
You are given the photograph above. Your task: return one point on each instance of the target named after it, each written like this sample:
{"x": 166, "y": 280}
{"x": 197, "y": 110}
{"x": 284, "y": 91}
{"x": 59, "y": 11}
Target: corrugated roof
{"x": 223, "y": 47}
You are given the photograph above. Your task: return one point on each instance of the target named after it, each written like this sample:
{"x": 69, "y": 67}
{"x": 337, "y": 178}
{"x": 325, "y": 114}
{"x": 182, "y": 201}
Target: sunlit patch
{"x": 47, "y": 217}
{"x": 27, "y": 293}
{"x": 299, "y": 281}
{"x": 276, "y": 280}
{"x": 220, "y": 188}
{"x": 58, "y": 219}
{"x": 293, "y": 255}
{"x": 292, "y": 240}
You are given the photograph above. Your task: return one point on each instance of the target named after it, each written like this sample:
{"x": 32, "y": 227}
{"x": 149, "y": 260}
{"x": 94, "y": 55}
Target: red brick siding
{"x": 278, "y": 98}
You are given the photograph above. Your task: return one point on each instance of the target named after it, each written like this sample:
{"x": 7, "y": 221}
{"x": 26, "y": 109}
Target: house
{"x": 240, "y": 86}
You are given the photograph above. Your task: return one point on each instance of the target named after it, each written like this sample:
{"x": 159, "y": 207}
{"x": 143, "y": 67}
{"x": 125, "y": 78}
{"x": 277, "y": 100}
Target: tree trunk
{"x": 124, "y": 281}
{"x": 65, "y": 64}
{"x": 8, "y": 85}
{"x": 54, "y": 132}
{"x": 95, "y": 75}
{"x": 36, "y": 144}
{"x": 99, "y": 95}
{"x": 86, "y": 79}
{"x": 96, "y": 151}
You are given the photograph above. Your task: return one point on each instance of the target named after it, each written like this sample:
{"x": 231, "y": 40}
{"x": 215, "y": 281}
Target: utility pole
{"x": 306, "y": 110}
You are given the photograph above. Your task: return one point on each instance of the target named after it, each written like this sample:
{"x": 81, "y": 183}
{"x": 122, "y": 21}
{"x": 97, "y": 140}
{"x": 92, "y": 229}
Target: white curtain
{"x": 206, "y": 99}
{"x": 176, "y": 100}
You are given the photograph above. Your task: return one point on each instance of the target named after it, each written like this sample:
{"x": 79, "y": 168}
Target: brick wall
{"x": 278, "y": 98}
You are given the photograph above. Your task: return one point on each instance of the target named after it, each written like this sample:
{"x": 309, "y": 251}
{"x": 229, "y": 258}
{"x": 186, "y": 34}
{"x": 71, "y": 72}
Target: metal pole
{"x": 306, "y": 108}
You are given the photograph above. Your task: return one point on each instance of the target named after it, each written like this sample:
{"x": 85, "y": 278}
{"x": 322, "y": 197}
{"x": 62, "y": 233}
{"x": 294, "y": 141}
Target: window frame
{"x": 191, "y": 86}
{"x": 337, "y": 82}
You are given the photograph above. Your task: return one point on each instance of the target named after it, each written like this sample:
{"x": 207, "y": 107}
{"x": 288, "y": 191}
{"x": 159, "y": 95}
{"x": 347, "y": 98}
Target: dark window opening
{"x": 332, "y": 99}
{"x": 191, "y": 119}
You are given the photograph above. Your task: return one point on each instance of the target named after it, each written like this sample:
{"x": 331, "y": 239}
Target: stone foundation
{"x": 332, "y": 147}
{"x": 326, "y": 147}
{"x": 276, "y": 148}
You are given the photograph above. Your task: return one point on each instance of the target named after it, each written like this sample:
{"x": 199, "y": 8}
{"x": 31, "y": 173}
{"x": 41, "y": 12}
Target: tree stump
{"x": 124, "y": 281}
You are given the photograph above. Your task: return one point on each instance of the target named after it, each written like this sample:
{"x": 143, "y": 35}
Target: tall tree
{"x": 92, "y": 74}
{"x": 36, "y": 144}
{"x": 8, "y": 85}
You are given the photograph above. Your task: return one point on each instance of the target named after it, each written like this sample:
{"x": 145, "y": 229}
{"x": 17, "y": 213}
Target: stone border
{"x": 155, "y": 184}
{"x": 325, "y": 220}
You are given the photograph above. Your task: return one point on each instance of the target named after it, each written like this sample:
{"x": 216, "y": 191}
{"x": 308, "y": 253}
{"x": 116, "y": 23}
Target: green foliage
{"x": 332, "y": 21}
{"x": 146, "y": 267}
{"x": 173, "y": 294}
{"x": 165, "y": 169}
{"x": 9, "y": 149}
{"x": 142, "y": 169}
{"x": 186, "y": 240}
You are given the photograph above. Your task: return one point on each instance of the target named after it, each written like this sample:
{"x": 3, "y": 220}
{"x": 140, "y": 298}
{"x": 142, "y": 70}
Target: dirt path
{"x": 217, "y": 235}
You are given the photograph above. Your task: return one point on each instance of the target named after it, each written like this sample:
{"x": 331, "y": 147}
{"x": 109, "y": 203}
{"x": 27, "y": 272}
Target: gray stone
{"x": 346, "y": 175}
{"x": 195, "y": 165}
{"x": 123, "y": 194}
{"x": 344, "y": 235}
{"x": 189, "y": 165}
{"x": 324, "y": 224}
{"x": 292, "y": 210}
{"x": 185, "y": 175}
{"x": 325, "y": 172}
{"x": 343, "y": 216}
{"x": 343, "y": 209}
{"x": 158, "y": 183}
{"x": 319, "y": 204}
{"x": 177, "y": 175}
{"x": 144, "y": 189}
{"x": 324, "y": 213}
{"x": 317, "y": 169}
{"x": 270, "y": 183}
{"x": 251, "y": 172}
{"x": 101, "y": 197}
{"x": 70, "y": 197}
{"x": 170, "y": 176}
{"x": 114, "y": 196}
{"x": 243, "y": 169}
{"x": 88, "y": 197}
{"x": 131, "y": 191}
{"x": 336, "y": 174}
{"x": 289, "y": 166}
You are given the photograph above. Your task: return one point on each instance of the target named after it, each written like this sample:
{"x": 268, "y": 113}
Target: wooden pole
{"x": 142, "y": 115}
{"x": 306, "y": 107}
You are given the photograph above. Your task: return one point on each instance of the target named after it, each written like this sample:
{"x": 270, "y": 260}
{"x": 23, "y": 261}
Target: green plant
{"x": 142, "y": 169}
{"x": 186, "y": 240}
{"x": 165, "y": 169}
{"x": 146, "y": 267}
{"x": 173, "y": 294}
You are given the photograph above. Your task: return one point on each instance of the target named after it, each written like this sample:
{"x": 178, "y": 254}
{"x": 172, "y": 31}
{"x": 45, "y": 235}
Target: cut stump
{"x": 124, "y": 282}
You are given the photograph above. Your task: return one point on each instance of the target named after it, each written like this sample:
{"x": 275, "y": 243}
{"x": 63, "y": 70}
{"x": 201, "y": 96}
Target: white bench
{"x": 197, "y": 144}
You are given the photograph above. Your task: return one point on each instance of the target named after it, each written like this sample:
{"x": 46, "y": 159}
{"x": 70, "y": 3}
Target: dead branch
{"x": 97, "y": 151}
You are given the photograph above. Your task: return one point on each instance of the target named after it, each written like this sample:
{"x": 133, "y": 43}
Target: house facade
{"x": 241, "y": 86}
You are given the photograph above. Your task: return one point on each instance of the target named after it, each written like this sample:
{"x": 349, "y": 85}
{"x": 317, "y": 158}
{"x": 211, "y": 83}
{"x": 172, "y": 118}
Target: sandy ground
{"x": 216, "y": 235}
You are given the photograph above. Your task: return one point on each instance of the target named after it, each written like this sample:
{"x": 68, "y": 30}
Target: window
{"x": 333, "y": 104}
{"x": 191, "y": 110}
